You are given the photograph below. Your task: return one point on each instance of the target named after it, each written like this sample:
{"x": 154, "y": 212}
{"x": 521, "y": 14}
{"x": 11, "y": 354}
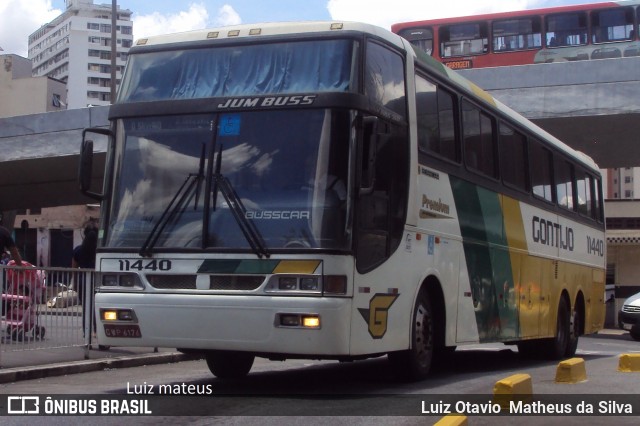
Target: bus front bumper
{"x": 259, "y": 324}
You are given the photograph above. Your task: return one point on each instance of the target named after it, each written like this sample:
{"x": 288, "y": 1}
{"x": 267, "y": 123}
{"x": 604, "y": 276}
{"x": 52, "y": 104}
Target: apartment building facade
{"x": 23, "y": 94}
{"x": 76, "y": 48}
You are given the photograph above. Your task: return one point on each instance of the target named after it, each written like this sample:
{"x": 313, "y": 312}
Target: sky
{"x": 20, "y": 18}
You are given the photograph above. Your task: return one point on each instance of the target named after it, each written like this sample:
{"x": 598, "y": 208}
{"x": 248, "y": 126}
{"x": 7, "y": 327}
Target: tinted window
{"x": 585, "y": 199}
{"x": 463, "y": 39}
{"x": 611, "y": 25}
{"x": 541, "y": 167}
{"x": 516, "y": 34}
{"x": 436, "y": 120}
{"x": 420, "y": 37}
{"x": 384, "y": 81}
{"x": 567, "y": 29}
{"x": 513, "y": 157}
{"x": 479, "y": 144}
{"x": 564, "y": 184}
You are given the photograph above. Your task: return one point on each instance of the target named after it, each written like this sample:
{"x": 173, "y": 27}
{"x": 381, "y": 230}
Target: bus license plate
{"x": 122, "y": 330}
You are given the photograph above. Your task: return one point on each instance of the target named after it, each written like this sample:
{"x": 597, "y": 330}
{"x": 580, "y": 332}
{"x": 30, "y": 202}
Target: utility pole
{"x": 114, "y": 44}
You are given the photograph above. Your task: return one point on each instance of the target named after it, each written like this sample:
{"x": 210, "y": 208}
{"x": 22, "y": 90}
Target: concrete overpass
{"x": 593, "y": 106}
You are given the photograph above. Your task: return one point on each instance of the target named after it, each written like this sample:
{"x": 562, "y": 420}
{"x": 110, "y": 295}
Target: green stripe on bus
{"x": 488, "y": 260}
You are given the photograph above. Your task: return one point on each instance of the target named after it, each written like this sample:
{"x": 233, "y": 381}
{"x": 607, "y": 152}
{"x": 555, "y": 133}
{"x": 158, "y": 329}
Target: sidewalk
{"x": 30, "y": 365}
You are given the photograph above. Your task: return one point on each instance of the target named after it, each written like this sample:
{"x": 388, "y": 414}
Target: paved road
{"x": 331, "y": 391}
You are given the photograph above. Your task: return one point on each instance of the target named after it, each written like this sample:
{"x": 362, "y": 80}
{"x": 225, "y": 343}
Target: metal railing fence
{"x": 46, "y": 308}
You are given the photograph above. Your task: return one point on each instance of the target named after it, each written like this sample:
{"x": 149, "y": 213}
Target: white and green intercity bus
{"x": 322, "y": 190}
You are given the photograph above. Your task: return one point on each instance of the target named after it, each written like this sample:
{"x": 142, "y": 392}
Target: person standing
{"x": 84, "y": 256}
{"x": 7, "y": 243}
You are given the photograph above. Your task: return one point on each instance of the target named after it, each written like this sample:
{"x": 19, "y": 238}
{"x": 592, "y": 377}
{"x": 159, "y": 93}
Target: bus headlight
{"x": 308, "y": 284}
{"x": 131, "y": 281}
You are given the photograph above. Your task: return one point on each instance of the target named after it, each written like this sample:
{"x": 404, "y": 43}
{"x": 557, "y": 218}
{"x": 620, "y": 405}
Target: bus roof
{"x": 269, "y": 29}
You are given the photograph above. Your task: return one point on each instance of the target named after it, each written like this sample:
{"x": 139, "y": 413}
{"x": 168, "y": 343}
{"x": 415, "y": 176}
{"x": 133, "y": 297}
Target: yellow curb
{"x": 513, "y": 388}
{"x": 452, "y": 420}
{"x": 629, "y": 363}
{"x": 571, "y": 371}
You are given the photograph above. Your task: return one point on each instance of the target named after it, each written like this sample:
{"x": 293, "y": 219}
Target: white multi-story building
{"x": 76, "y": 48}
{"x": 623, "y": 183}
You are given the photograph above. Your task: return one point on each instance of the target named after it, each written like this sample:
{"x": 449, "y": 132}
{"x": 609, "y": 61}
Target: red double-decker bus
{"x": 566, "y": 33}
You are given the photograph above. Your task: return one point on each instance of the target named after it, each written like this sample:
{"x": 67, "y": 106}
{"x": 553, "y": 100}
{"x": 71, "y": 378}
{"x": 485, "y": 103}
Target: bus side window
{"x": 478, "y": 140}
{"x": 436, "y": 120}
{"x": 419, "y": 37}
{"x": 541, "y": 166}
{"x": 612, "y": 25}
{"x": 596, "y": 191}
{"x": 564, "y": 183}
{"x": 513, "y": 157}
{"x": 566, "y": 29}
{"x": 583, "y": 187}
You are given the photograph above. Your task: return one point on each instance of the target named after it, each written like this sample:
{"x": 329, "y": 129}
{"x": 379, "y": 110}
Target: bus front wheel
{"x": 415, "y": 362}
{"x": 228, "y": 364}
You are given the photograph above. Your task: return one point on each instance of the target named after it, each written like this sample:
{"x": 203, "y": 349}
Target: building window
{"x": 93, "y": 26}
{"x": 56, "y": 101}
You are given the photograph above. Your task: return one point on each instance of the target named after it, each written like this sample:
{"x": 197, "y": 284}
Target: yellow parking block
{"x": 513, "y": 388}
{"x": 571, "y": 371}
{"x": 452, "y": 420}
{"x": 629, "y": 363}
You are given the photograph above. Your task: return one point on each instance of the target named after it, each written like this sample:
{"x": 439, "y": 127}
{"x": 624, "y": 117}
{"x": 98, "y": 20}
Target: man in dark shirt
{"x": 7, "y": 243}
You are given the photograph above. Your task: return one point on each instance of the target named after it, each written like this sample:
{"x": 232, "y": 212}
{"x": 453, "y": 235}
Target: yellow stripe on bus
{"x": 297, "y": 267}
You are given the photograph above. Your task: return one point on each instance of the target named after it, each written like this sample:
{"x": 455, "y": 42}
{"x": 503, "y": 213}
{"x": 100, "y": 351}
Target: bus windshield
{"x": 288, "y": 168}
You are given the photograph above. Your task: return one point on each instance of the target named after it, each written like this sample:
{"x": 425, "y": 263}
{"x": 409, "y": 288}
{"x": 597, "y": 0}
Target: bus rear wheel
{"x": 228, "y": 364}
{"x": 415, "y": 363}
{"x": 558, "y": 347}
{"x": 575, "y": 327}
{"x": 563, "y": 344}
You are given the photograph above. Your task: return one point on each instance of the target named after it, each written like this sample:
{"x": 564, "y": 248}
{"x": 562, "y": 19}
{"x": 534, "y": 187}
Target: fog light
{"x": 109, "y": 315}
{"x": 311, "y": 321}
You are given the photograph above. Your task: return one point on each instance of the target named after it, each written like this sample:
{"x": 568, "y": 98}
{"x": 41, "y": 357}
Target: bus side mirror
{"x": 85, "y": 168}
{"x": 368, "y": 155}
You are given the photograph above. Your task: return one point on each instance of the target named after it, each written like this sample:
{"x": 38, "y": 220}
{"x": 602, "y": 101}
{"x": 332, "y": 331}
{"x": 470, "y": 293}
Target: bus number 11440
{"x": 145, "y": 265}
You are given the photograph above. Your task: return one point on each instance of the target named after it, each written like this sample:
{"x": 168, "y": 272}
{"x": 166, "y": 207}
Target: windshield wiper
{"x": 191, "y": 183}
{"x": 248, "y": 228}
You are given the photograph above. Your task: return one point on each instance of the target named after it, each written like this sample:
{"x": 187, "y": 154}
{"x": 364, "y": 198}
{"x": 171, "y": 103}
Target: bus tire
{"x": 414, "y": 363}
{"x": 558, "y": 346}
{"x": 229, "y": 364}
{"x": 575, "y": 325}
